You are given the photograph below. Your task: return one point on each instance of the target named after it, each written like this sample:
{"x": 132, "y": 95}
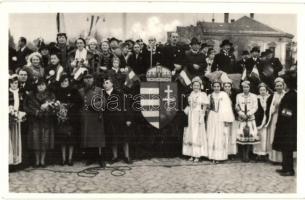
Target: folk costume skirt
{"x": 15, "y": 153}
{"x": 195, "y": 142}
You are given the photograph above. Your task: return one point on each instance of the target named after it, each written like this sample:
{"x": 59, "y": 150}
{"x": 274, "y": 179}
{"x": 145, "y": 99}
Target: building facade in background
{"x": 244, "y": 33}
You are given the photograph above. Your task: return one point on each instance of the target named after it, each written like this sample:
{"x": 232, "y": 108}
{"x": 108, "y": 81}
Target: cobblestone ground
{"x": 157, "y": 176}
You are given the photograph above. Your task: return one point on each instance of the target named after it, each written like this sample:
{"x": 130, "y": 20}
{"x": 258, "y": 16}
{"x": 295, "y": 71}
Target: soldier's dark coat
{"x": 225, "y": 62}
{"x": 172, "y": 55}
{"x": 285, "y": 137}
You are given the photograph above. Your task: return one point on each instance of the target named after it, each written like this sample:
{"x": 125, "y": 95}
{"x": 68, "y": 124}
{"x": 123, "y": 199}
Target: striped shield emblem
{"x": 159, "y": 102}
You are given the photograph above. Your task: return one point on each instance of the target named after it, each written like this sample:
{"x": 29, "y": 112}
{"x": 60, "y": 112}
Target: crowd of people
{"x": 80, "y": 98}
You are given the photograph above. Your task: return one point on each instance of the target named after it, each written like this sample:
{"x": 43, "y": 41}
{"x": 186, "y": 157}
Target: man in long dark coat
{"x": 195, "y": 61}
{"x": 270, "y": 68}
{"x": 138, "y": 61}
{"x": 92, "y": 121}
{"x": 253, "y": 66}
{"x": 224, "y": 60}
{"x": 285, "y": 138}
{"x": 22, "y": 53}
{"x": 241, "y": 64}
{"x": 172, "y": 53}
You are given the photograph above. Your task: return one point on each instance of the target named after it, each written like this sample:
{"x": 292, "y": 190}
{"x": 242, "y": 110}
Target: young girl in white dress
{"x": 194, "y": 137}
{"x": 218, "y": 125}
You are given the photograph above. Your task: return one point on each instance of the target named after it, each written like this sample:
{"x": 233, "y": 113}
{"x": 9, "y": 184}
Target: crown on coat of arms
{"x": 159, "y": 73}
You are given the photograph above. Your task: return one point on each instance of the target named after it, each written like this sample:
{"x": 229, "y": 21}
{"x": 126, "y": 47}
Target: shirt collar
{"x": 115, "y": 69}
{"x": 109, "y": 91}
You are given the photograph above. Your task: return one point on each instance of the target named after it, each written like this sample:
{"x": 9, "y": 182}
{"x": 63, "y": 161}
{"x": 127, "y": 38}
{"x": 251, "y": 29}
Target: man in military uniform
{"x": 225, "y": 59}
{"x": 173, "y": 55}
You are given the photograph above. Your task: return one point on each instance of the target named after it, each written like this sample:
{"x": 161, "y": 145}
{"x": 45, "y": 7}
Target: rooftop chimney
{"x": 226, "y": 19}
{"x": 252, "y": 15}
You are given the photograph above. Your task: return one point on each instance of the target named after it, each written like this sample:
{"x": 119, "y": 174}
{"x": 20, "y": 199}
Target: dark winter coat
{"x": 116, "y": 116}
{"x": 22, "y": 55}
{"x": 69, "y": 129}
{"x": 41, "y": 123}
{"x": 171, "y": 55}
{"x": 285, "y": 137}
{"x": 195, "y": 58}
{"x": 224, "y": 62}
{"x": 139, "y": 64}
{"x": 92, "y": 120}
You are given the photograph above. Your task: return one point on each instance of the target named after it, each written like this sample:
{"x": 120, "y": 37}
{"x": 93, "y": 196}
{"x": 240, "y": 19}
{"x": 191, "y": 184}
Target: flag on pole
{"x": 60, "y": 21}
{"x": 91, "y": 25}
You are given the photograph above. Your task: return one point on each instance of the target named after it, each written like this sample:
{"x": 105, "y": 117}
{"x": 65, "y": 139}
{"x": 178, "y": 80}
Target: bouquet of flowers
{"x": 50, "y": 107}
{"x": 62, "y": 113}
{"x": 16, "y": 116}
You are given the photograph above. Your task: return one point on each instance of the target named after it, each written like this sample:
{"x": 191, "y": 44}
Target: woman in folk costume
{"x": 273, "y": 105}
{"x": 94, "y": 56}
{"x": 40, "y": 106}
{"x": 54, "y": 71}
{"x": 79, "y": 60}
{"x": 219, "y": 119}
{"x": 261, "y": 118}
{"x": 195, "y": 137}
{"x": 34, "y": 66}
{"x": 246, "y": 107}
{"x": 15, "y": 148}
{"x": 232, "y": 148}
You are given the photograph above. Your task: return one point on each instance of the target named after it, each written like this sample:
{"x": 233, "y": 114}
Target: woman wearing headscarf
{"x": 219, "y": 119}
{"x": 246, "y": 107}
{"x": 40, "y": 107}
{"x": 272, "y": 112}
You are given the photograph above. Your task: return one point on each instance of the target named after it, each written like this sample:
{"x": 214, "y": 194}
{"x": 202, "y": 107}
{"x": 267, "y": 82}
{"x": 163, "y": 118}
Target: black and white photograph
{"x": 154, "y": 102}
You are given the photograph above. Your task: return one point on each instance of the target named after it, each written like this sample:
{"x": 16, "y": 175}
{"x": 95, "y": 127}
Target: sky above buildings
{"x": 138, "y": 25}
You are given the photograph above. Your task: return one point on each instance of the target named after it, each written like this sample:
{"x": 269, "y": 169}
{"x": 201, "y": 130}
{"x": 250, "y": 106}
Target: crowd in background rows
{"x": 56, "y": 85}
